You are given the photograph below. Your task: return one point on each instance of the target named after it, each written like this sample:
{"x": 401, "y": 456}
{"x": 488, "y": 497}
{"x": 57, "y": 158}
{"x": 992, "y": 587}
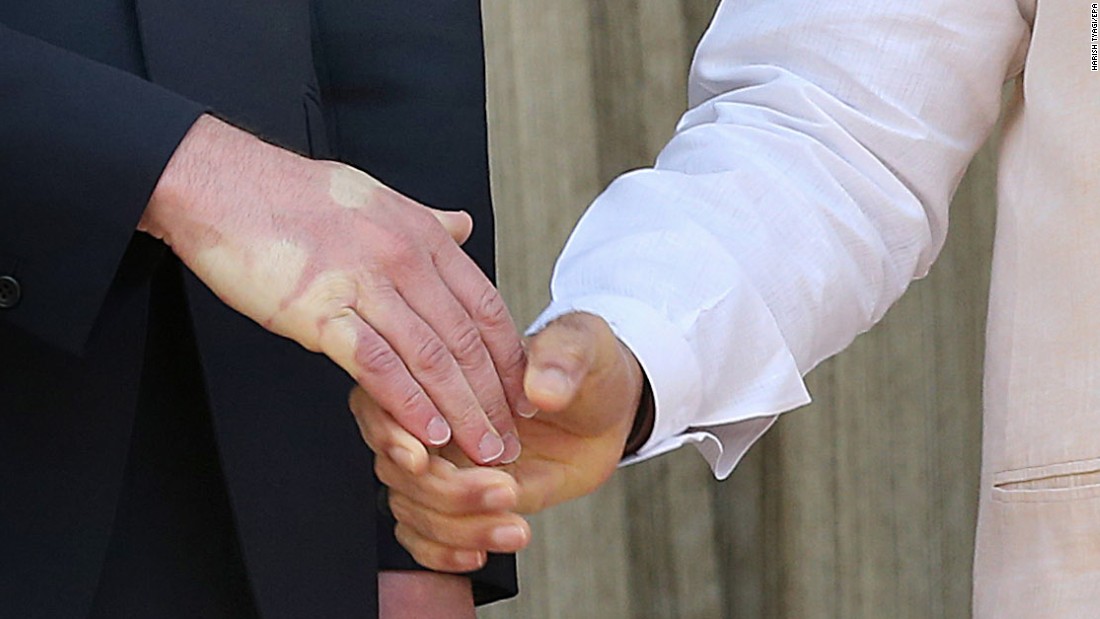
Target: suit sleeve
{"x": 82, "y": 146}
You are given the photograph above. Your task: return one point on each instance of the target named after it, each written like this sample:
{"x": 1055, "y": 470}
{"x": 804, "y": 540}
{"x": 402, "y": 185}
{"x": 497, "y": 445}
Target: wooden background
{"x": 863, "y": 504}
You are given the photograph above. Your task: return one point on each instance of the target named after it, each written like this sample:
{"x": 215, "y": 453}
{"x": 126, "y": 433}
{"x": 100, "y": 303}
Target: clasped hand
{"x": 586, "y": 385}
{"x": 325, "y": 255}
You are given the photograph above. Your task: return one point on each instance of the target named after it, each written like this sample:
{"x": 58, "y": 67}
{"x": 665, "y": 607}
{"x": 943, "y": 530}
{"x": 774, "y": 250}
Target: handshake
{"x": 586, "y": 388}
{"x": 469, "y": 428}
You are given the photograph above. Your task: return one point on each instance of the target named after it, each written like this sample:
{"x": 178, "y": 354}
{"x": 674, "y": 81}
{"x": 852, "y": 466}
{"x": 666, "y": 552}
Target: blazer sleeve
{"x": 82, "y": 146}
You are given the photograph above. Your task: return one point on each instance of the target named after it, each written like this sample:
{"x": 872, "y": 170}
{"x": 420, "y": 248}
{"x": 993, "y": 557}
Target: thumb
{"x": 458, "y": 224}
{"x": 560, "y": 358}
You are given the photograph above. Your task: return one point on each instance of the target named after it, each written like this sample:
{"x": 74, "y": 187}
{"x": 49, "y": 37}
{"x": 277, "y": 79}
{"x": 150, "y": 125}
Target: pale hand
{"x": 586, "y": 385}
{"x": 325, "y": 255}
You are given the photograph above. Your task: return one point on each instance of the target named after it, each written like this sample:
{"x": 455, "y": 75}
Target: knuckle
{"x": 432, "y": 356}
{"x": 403, "y": 512}
{"x": 571, "y": 354}
{"x": 421, "y": 551}
{"x": 377, "y": 358}
{"x": 397, "y": 250}
{"x": 423, "y": 525}
{"x": 491, "y": 309}
{"x": 445, "y": 499}
{"x": 385, "y": 473}
{"x": 485, "y": 538}
{"x": 462, "y": 566}
{"x": 335, "y": 333}
{"x": 450, "y": 560}
{"x": 428, "y": 557}
{"x": 413, "y": 400}
{"x": 453, "y": 499}
{"x": 465, "y": 416}
{"x": 499, "y": 413}
{"x": 423, "y": 219}
{"x": 467, "y": 343}
{"x": 469, "y": 498}
{"x": 514, "y": 360}
{"x": 362, "y": 405}
{"x": 580, "y": 324}
{"x": 496, "y": 408}
{"x": 365, "y": 432}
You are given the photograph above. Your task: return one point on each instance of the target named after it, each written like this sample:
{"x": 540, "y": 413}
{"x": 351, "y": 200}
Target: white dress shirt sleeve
{"x": 805, "y": 188}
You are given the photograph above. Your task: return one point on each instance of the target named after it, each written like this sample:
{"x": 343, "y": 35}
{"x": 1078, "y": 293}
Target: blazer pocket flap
{"x": 1064, "y": 480}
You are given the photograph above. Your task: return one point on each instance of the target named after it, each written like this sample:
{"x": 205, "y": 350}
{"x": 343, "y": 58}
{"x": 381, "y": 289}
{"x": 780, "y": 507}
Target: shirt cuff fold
{"x": 669, "y": 361}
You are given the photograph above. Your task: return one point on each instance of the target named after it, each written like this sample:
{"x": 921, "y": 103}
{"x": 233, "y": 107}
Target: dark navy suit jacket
{"x": 94, "y": 97}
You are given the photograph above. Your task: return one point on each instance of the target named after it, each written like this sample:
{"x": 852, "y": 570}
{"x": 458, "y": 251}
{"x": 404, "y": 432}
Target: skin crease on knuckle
{"x": 418, "y": 520}
{"x": 570, "y": 355}
{"x": 399, "y": 484}
{"x": 451, "y": 496}
{"x": 412, "y": 400}
{"x": 436, "y": 492}
{"x": 437, "y": 556}
{"x": 338, "y": 337}
{"x": 375, "y": 357}
{"x": 387, "y": 473}
{"x": 454, "y": 491}
{"x": 432, "y": 357}
{"x": 424, "y": 518}
{"x": 491, "y": 309}
{"x": 467, "y": 344}
{"x": 377, "y": 363}
{"x": 450, "y": 512}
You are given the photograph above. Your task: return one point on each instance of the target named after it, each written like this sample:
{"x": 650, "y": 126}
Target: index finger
{"x": 490, "y": 314}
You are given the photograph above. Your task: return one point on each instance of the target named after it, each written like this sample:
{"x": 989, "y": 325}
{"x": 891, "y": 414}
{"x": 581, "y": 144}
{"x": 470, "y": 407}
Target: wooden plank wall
{"x": 862, "y": 505}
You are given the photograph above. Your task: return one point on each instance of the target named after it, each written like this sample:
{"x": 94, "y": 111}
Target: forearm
{"x": 416, "y": 595}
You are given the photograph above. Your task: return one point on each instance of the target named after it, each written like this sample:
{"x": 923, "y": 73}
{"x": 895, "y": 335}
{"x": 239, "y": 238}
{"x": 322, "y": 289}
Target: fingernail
{"x": 508, "y": 537}
{"x": 490, "y": 448}
{"x": 438, "y": 431}
{"x": 553, "y": 381}
{"x": 525, "y": 409}
{"x": 499, "y": 498}
{"x": 469, "y": 559}
{"x": 403, "y": 458}
{"x": 511, "y": 448}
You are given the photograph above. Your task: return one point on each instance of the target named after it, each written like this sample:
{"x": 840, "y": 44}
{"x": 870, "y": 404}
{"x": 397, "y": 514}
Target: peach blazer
{"x": 1038, "y": 547}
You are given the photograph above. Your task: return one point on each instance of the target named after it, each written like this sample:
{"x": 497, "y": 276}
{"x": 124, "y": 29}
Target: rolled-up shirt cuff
{"x": 665, "y": 355}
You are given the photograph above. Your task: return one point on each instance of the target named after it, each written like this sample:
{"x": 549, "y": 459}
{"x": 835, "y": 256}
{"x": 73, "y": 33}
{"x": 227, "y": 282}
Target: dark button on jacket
{"x": 10, "y": 292}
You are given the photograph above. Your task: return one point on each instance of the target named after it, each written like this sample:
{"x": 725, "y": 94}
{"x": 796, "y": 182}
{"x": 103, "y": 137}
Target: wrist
{"x": 211, "y": 171}
{"x": 644, "y": 420}
{"x": 178, "y": 178}
{"x": 641, "y": 402}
